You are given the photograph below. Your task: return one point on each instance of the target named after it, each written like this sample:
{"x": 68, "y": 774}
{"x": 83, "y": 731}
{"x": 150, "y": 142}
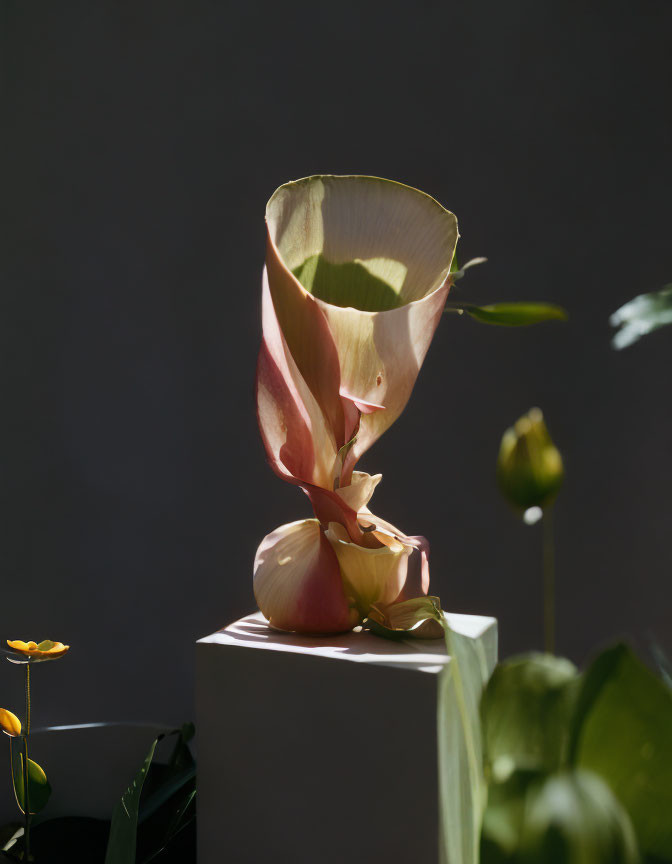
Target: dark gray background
{"x": 140, "y": 142}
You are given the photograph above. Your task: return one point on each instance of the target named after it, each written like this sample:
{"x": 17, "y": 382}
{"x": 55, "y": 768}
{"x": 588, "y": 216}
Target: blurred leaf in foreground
{"x": 641, "y": 315}
{"x": 623, "y": 732}
{"x": 574, "y": 818}
{"x": 526, "y": 711}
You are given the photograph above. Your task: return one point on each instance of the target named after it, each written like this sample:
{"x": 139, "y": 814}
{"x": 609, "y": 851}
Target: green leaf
{"x": 526, "y": 711}
{"x": 513, "y": 314}
{"x": 166, "y": 791}
{"x": 623, "y": 732}
{"x": 461, "y": 784}
{"x": 181, "y": 757}
{"x": 178, "y": 821}
{"x": 574, "y": 818}
{"x": 640, "y": 316}
{"x": 39, "y": 789}
{"x": 504, "y": 816}
{"x": 123, "y": 830}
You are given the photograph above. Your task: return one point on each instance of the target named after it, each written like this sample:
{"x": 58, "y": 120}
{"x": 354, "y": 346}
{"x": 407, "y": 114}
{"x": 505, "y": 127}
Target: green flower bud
{"x": 529, "y": 467}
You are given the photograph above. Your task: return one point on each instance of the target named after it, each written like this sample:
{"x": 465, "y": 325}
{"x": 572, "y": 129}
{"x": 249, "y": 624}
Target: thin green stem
{"x": 548, "y": 551}
{"x": 26, "y": 794}
{"x": 27, "y": 698}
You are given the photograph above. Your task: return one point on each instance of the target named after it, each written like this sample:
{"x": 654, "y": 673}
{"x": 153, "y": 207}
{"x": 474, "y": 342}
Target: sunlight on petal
{"x": 297, "y": 581}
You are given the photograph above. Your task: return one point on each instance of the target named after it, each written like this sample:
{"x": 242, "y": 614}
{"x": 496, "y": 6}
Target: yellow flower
{"x": 9, "y": 723}
{"x": 46, "y": 650}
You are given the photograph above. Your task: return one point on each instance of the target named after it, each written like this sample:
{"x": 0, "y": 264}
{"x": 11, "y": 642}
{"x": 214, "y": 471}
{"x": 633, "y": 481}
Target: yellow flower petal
{"x": 45, "y": 650}
{"x": 9, "y": 723}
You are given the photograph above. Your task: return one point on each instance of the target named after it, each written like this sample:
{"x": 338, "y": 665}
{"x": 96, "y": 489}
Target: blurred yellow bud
{"x": 9, "y": 723}
{"x": 529, "y": 467}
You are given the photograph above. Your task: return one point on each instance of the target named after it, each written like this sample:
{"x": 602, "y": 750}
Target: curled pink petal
{"x": 297, "y": 581}
{"x": 297, "y": 439}
{"x": 308, "y": 338}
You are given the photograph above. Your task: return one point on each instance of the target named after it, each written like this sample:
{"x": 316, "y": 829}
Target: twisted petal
{"x": 297, "y": 581}
{"x": 299, "y": 443}
{"x": 417, "y": 580}
{"x": 310, "y": 342}
{"x": 343, "y": 505}
{"x": 373, "y": 256}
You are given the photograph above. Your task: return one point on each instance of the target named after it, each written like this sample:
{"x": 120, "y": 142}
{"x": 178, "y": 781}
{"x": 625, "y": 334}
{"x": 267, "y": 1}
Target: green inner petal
{"x": 352, "y": 283}
{"x": 46, "y": 645}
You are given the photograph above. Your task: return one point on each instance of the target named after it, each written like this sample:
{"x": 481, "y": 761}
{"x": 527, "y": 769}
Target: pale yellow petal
{"x": 394, "y": 246}
{"x": 361, "y": 488}
{"x": 369, "y": 575}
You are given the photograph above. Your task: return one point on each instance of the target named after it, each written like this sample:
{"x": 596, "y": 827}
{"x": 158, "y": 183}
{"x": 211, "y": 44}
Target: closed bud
{"x": 529, "y": 467}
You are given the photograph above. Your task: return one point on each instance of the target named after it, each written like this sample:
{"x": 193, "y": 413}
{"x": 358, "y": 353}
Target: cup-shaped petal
{"x": 297, "y": 581}
{"x": 375, "y": 256}
{"x": 373, "y": 575}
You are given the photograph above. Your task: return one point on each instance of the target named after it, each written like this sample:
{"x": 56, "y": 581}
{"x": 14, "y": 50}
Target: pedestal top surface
{"x": 426, "y": 655}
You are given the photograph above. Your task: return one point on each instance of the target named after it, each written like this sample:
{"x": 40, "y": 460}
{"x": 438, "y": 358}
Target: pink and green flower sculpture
{"x": 356, "y": 279}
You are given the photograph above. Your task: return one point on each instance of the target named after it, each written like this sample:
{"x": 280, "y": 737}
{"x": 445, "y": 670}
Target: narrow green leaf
{"x": 513, "y": 314}
{"x": 461, "y": 784}
{"x": 123, "y": 830}
{"x": 623, "y": 733}
{"x": 39, "y": 789}
{"x": 178, "y": 818}
{"x": 641, "y": 315}
{"x": 181, "y": 756}
{"x": 165, "y": 792}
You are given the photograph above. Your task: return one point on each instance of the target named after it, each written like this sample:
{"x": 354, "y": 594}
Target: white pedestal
{"x": 320, "y": 749}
